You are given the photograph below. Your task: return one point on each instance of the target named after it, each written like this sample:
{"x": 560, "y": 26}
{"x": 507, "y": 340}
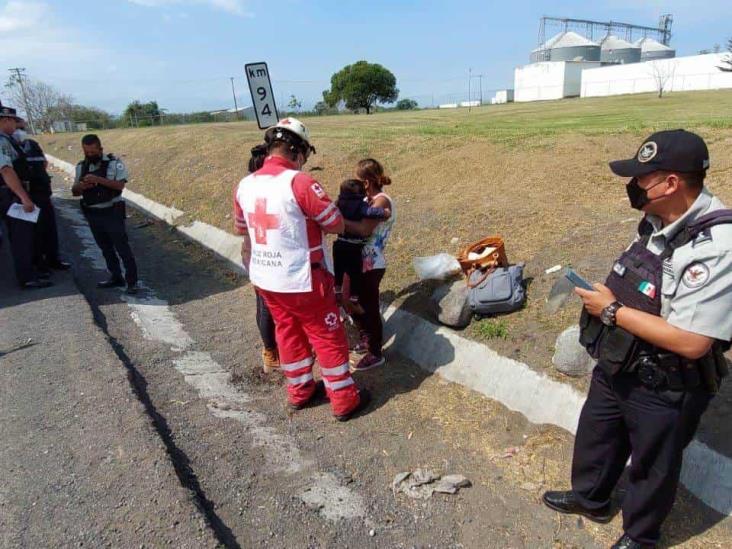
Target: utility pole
{"x": 470, "y": 81}
{"x": 480, "y": 81}
{"x": 236, "y": 107}
{"x": 19, "y": 73}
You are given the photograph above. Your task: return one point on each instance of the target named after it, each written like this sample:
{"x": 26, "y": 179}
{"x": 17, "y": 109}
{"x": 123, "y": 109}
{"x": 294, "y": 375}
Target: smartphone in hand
{"x": 577, "y": 280}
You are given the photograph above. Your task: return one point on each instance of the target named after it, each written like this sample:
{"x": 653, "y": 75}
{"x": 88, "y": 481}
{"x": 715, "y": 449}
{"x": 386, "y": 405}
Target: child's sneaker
{"x": 368, "y": 362}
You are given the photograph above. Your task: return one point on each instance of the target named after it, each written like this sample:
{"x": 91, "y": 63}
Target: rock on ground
{"x": 570, "y": 357}
{"x": 450, "y": 301}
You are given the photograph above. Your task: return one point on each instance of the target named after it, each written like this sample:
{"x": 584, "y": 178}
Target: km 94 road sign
{"x": 263, "y": 101}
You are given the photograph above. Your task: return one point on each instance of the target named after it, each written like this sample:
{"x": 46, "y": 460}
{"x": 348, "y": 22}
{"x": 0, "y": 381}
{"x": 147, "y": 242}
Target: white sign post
{"x": 263, "y": 100}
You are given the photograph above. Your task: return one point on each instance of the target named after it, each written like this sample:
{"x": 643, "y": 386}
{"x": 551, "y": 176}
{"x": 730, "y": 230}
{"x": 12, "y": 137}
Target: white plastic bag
{"x": 436, "y": 267}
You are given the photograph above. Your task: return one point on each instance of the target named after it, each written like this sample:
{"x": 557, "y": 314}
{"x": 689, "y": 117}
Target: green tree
{"x": 321, "y": 108}
{"x": 361, "y": 86}
{"x": 406, "y": 105}
{"x": 295, "y": 104}
{"x": 142, "y": 114}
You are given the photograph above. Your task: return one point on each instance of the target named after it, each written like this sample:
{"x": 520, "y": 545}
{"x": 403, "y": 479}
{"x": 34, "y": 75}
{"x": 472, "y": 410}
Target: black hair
{"x": 91, "y": 139}
{"x": 259, "y": 153}
{"x": 353, "y": 186}
{"x": 695, "y": 180}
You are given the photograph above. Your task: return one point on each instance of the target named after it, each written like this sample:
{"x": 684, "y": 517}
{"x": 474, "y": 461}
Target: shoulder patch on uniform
{"x": 695, "y": 275}
{"x": 318, "y": 190}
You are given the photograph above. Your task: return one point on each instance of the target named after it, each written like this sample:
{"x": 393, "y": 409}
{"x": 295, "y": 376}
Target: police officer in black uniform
{"x": 45, "y": 242}
{"x": 14, "y": 185}
{"x": 100, "y": 179}
{"x": 659, "y": 328}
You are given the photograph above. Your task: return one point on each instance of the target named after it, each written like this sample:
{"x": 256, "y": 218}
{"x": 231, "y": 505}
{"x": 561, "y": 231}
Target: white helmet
{"x": 285, "y": 129}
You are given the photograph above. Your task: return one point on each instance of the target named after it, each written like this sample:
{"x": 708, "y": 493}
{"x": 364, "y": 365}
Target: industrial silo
{"x": 567, "y": 46}
{"x": 616, "y": 51}
{"x": 652, "y": 49}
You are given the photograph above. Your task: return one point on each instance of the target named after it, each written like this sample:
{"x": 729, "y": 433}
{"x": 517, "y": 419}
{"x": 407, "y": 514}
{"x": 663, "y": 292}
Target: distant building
{"x": 550, "y": 80}
{"x": 694, "y": 72}
{"x": 245, "y": 113}
{"x": 502, "y": 96}
{"x": 64, "y": 126}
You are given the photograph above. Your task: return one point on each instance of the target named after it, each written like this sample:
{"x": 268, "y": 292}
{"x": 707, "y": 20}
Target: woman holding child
{"x": 375, "y": 229}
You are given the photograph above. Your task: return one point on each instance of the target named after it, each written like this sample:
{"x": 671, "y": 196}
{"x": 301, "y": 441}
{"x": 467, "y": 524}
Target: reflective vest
{"x": 277, "y": 228}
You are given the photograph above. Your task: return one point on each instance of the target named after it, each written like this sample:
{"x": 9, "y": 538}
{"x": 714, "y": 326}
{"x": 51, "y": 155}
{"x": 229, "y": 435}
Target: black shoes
{"x": 59, "y": 265}
{"x": 363, "y": 403}
{"x": 113, "y": 282}
{"x": 565, "y": 502}
{"x": 37, "y": 284}
{"x": 319, "y": 396}
{"x": 131, "y": 289}
{"x": 626, "y": 543}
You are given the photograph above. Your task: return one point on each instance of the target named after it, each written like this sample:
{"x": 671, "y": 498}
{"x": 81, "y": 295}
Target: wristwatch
{"x": 607, "y": 315}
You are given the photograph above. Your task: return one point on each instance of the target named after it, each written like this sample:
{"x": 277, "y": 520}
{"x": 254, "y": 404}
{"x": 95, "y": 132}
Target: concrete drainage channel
{"x": 706, "y": 473}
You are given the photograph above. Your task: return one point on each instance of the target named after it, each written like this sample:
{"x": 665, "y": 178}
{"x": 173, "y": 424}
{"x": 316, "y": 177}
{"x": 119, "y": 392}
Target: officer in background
{"x": 100, "y": 179}
{"x": 14, "y": 186}
{"x": 45, "y": 242}
{"x": 658, "y": 328}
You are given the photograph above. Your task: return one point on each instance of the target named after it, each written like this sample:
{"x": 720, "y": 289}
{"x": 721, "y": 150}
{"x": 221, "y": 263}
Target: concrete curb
{"x": 706, "y": 473}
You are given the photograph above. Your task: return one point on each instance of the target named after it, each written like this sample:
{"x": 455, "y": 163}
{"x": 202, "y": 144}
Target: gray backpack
{"x": 502, "y": 291}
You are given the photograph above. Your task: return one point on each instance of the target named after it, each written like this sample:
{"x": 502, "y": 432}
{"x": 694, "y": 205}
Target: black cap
{"x": 8, "y": 112}
{"x": 670, "y": 150}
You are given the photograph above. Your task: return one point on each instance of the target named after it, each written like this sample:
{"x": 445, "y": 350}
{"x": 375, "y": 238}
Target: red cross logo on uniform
{"x": 261, "y": 221}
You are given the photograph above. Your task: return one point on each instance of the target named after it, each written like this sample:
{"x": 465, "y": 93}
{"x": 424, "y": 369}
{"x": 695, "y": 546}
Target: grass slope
{"x": 534, "y": 172}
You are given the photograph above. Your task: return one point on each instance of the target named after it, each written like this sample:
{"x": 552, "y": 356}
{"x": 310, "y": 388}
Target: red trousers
{"x": 311, "y": 320}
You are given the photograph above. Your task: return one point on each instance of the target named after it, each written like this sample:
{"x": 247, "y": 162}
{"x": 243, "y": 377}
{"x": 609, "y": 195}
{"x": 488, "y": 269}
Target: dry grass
{"x": 535, "y": 173}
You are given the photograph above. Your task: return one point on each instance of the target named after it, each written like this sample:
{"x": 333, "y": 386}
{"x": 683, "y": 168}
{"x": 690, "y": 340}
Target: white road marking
{"x": 158, "y": 322}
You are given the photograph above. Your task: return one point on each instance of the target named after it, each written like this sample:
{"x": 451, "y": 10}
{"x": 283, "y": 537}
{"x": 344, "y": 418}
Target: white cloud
{"x": 16, "y": 16}
{"x": 235, "y": 7}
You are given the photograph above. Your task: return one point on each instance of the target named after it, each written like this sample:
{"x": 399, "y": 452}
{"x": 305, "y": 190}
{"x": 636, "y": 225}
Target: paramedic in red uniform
{"x": 282, "y": 213}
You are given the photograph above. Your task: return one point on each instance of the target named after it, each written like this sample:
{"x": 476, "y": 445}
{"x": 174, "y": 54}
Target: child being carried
{"x": 348, "y": 247}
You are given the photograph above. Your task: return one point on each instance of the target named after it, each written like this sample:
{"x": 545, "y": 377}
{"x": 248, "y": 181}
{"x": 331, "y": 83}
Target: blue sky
{"x": 182, "y": 52}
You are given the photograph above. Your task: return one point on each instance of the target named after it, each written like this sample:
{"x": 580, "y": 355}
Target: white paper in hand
{"x": 16, "y": 211}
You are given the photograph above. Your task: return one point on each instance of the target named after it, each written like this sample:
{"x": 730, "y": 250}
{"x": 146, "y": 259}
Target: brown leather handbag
{"x": 487, "y": 254}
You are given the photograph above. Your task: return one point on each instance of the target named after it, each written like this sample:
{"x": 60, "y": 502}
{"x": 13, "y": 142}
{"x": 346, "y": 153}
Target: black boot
{"x": 36, "y": 284}
{"x": 626, "y": 543}
{"x": 114, "y": 282}
{"x": 319, "y": 396}
{"x": 363, "y": 403}
{"x": 59, "y": 265}
{"x": 566, "y": 502}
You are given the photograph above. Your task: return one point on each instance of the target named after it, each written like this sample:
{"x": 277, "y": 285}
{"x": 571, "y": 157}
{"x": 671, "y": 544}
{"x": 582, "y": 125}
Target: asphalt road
{"x": 82, "y": 464}
{"x": 174, "y": 386}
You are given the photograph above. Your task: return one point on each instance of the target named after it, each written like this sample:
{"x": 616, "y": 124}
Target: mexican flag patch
{"x": 646, "y": 288}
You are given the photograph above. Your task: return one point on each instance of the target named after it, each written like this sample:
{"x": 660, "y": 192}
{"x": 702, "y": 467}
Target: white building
{"x": 549, "y": 80}
{"x": 696, "y": 72}
{"x": 502, "y": 96}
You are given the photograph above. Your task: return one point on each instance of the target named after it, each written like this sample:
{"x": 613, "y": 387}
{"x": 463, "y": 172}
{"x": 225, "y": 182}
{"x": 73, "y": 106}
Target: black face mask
{"x": 637, "y": 195}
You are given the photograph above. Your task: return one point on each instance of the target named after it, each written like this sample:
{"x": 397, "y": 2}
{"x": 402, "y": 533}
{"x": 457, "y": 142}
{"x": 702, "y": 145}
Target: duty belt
{"x": 667, "y": 371}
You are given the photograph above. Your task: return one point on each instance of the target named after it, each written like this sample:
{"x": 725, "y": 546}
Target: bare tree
{"x": 43, "y": 102}
{"x": 728, "y": 59}
{"x": 663, "y": 72}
